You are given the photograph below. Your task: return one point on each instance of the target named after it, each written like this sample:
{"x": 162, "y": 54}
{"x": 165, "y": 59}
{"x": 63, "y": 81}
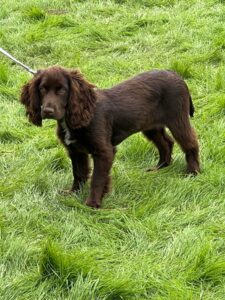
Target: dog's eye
{"x": 61, "y": 90}
{"x": 42, "y": 89}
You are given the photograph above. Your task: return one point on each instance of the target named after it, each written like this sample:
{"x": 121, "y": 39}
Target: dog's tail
{"x": 192, "y": 108}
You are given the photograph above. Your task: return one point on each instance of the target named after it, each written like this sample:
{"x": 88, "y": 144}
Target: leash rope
{"x": 17, "y": 61}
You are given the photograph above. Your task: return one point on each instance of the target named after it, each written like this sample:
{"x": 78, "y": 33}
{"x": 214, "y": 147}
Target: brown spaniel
{"x": 94, "y": 121}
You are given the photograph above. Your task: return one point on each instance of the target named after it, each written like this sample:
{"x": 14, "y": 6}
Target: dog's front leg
{"x": 100, "y": 178}
{"x": 80, "y": 166}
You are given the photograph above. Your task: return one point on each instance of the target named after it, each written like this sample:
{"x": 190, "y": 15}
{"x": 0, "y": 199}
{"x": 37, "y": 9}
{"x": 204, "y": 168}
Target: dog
{"x": 94, "y": 121}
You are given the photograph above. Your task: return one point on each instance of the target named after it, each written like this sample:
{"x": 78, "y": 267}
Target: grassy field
{"x": 159, "y": 235}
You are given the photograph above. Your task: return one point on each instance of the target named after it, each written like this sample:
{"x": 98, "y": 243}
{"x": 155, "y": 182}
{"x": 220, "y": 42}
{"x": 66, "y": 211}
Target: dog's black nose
{"x": 47, "y": 112}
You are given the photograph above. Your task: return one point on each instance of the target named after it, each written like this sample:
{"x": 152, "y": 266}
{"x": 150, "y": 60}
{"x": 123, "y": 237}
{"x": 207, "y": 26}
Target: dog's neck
{"x": 66, "y": 130}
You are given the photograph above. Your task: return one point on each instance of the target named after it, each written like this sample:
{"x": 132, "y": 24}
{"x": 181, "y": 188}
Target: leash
{"x": 17, "y": 61}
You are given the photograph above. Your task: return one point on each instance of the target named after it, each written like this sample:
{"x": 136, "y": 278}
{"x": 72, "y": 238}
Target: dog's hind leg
{"x": 164, "y": 143}
{"x": 185, "y": 135}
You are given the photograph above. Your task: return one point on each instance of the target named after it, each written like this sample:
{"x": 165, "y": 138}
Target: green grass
{"x": 159, "y": 235}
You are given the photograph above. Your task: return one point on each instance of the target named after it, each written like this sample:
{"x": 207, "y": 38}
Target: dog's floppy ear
{"x": 30, "y": 99}
{"x": 81, "y": 102}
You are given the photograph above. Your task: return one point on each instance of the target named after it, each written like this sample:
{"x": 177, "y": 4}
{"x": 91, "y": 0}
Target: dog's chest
{"x": 66, "y": 135}
{"x": 70, "y": 140}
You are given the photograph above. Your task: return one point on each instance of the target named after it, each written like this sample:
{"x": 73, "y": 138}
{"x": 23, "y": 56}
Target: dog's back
{"x": 146, "y": 100}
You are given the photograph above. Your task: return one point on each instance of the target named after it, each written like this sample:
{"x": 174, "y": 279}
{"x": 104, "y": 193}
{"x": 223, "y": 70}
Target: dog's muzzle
{"x": 47, "y": 112}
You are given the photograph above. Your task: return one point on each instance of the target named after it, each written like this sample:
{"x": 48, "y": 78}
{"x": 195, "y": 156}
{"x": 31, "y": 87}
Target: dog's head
{"x": 57, "y": 93}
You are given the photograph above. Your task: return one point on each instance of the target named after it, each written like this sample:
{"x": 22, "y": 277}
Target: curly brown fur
{"x": 29, "y": 98}
{"x": 93, "y": 121}
{"x": 81, "y": 102}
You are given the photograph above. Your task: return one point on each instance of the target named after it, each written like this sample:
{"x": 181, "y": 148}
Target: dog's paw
{"x": 92, "y": 203}
{"x": 158, "y": 167}
{"x": 193, "y": 173}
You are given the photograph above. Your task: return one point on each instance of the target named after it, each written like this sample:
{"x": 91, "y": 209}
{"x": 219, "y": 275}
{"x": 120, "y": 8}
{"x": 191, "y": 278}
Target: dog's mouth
{"x": 45, "y": 116}
{"x": 48, "y": 116}
{"x": 54, "y": 113}
{"x": 51, "y": 117}
{"x": 50, "y": 113}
